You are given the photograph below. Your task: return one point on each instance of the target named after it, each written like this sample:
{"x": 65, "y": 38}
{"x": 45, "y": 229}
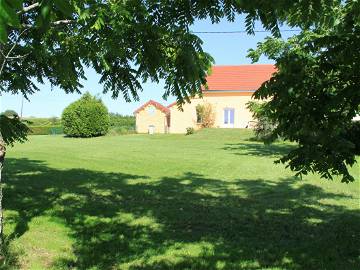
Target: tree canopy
{"x": 126, "y": 42}
{"x": 315, "y": 93}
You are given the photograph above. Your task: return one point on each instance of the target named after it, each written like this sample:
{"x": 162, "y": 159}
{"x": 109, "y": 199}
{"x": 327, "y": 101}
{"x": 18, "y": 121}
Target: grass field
{"x": 212, "y": 200}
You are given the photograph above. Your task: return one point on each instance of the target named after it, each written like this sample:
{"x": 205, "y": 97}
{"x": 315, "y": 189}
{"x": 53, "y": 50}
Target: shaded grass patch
{"x": 173, "y": 202}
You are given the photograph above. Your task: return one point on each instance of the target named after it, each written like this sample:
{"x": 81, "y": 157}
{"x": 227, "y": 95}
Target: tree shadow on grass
{"x": 124, "y": 221}
{"x": 259, "y": 149}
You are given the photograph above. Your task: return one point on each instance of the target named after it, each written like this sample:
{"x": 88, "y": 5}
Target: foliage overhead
{"x": 315, "y": 94}
{"x": 126, "y": 42}
{"x": 86, "y": 117}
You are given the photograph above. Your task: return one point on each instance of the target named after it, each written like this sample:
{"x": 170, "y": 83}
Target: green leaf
{"x": 3, "y": 32}
{"x": 43, "y": 20}
{"x": 64, "y": 7}
{"x": 99, "y": 23}
{"x": 250, "y": 24}
{"x": 18, "y": 4}
{"x": 45, "y": 11}
{"x": 8, "y": 14}
{"x": 84, "y": 14}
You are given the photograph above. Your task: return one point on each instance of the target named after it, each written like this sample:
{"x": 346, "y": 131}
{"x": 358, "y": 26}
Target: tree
{"x": 315, "y": 94}
{"x": 126, "y": 42}
{"x": 86, "y": 117}
{"x": 10, "y": 113}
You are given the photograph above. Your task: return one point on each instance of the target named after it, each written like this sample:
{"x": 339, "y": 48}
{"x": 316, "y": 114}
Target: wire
{"x": 242, "y": 31}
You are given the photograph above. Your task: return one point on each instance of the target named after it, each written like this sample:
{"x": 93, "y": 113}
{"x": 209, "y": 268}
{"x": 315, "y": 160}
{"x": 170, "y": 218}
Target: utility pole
{"x": 22, "y": 106}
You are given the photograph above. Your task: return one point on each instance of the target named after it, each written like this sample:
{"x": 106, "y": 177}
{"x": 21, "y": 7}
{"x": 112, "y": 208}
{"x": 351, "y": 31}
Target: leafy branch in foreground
{"x": 315, "y": 95}
{"x": 126, "y": 42}
{"x": 13, "y": 129}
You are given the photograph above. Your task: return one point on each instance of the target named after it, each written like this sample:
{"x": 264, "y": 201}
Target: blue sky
{"x": 226, "y": 49}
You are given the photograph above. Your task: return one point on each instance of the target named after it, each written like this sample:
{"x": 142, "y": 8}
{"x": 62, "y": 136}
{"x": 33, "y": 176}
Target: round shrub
{"x": 86, "y": 117}
{"x": 10, "y": 113}
{"x": 190, "y": 130}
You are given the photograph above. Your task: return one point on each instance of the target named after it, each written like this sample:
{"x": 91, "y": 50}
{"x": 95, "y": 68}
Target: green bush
{"x": 46, "y": 130}
{"x": 190, "y": 131}
{"x": 86, "y": 117}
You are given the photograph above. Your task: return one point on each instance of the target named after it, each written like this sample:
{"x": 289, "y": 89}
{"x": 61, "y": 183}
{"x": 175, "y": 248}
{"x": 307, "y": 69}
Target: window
{"x": 229, "y": 116}
{"x": 151, "y": 110}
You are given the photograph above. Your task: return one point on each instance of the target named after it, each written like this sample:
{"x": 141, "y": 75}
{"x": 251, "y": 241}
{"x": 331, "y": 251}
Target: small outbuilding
{"x": 152, "y": 117}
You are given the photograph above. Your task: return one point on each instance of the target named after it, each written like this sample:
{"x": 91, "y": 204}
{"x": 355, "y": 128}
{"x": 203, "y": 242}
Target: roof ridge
{"x": 241, "y": 65}
{"x": 158, "y": 105}
{"x": 171, "y": 104}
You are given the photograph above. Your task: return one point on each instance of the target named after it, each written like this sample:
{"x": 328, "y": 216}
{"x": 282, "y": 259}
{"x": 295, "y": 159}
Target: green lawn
{"x": 212, "y": 200}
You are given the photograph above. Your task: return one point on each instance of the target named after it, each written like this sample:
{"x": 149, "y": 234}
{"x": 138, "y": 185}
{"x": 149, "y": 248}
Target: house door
{"x": 229, "y": 117}
{"x": 151, "y": 129}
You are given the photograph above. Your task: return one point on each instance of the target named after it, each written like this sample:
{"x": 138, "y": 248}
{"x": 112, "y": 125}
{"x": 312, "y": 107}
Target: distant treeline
{"x": 39, "y": 122}
{"x": 118, "y": 120}
{"x": 44, "y": 126}
{"x": 119, "y": 124}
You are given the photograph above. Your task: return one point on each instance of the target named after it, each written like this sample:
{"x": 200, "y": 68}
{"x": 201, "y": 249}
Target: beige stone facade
{"x": 180, "y": 120}
{"x": 151, "y": 118}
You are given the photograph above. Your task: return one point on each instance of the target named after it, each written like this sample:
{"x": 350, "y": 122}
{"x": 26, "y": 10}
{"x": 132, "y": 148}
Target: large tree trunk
{"x": 2, "y": 157}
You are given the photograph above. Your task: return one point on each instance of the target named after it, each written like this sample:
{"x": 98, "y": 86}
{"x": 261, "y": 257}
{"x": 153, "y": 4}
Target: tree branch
{"x": 11, "y": 50}
{"x": 62, "y": 22}
{"x": 28, "y": 8}
{"x": 17, "y": 56}
{"x": 56, "y": 23}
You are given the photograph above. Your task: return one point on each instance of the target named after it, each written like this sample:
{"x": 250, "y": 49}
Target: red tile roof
{"x": 155, "y": 104}
{"x": 240, "y": 78}
{"x": 172, "y": 104}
